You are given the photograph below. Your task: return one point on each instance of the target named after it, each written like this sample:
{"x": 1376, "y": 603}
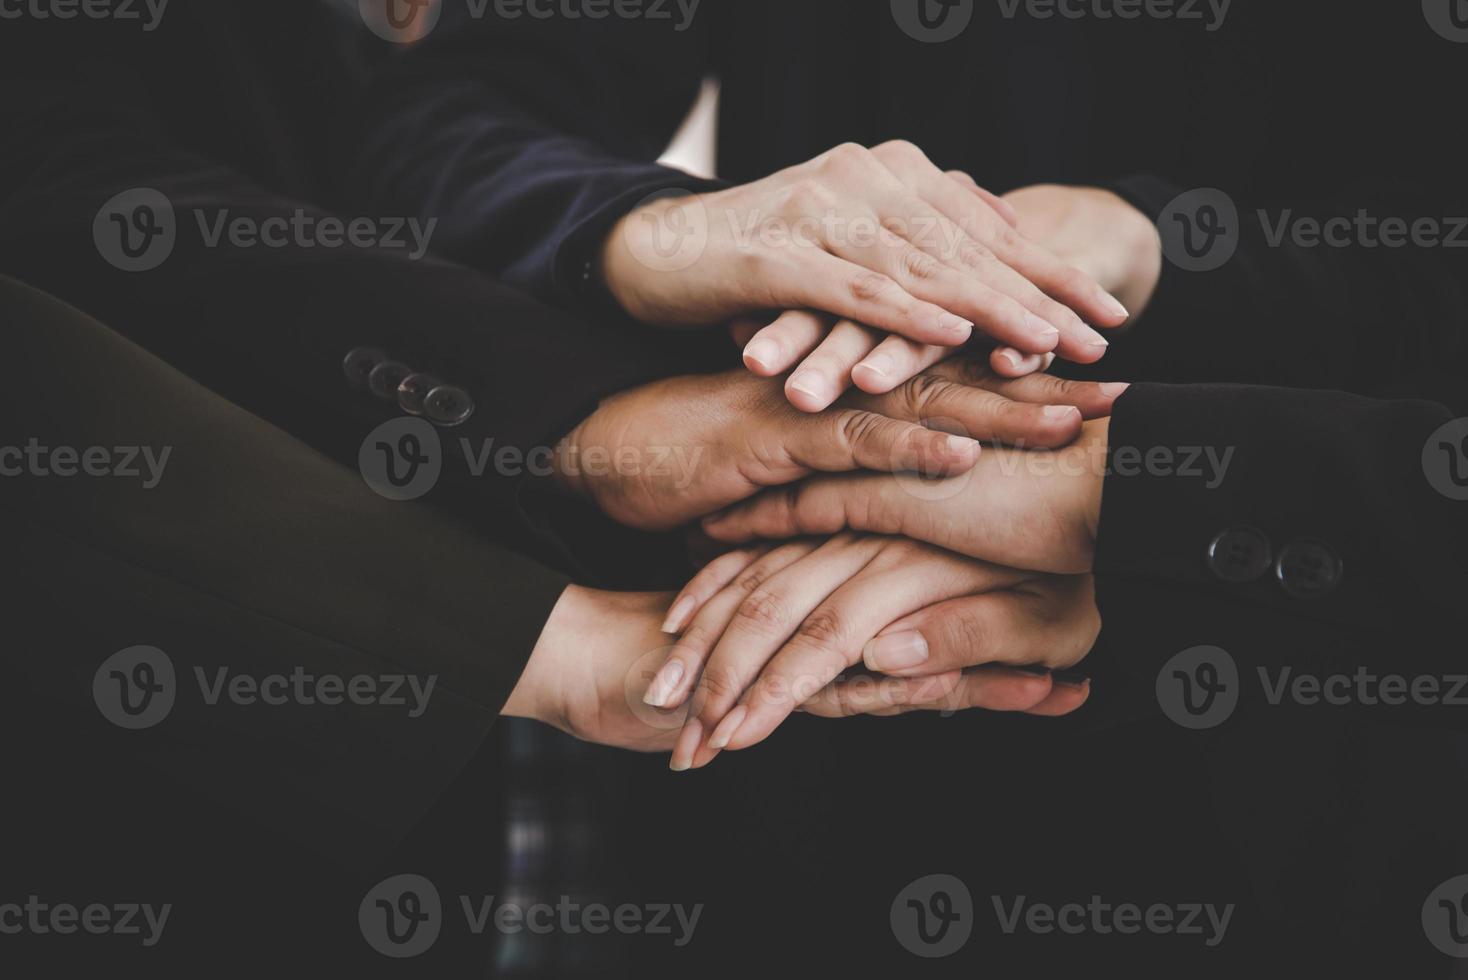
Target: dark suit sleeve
{"x": 239, "y": 552}
{"x": 1348, "y": 519}
{"x": 271, "y": 327}
{"x": 1341, "y": 301}
{"x": 529, "y": 138}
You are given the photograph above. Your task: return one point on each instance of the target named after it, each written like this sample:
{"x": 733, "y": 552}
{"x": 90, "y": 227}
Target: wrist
{"x": 1139, "y": 253}
{"x": 539, "y": 694}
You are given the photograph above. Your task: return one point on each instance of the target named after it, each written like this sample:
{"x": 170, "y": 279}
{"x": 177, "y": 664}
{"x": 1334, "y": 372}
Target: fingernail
{"x": 728, "y": 727}
{"x": 763, "y": 352}
{"x": 1099, "y": 342}
{"x": 878, "y": 364}
{"x": 1114, "y": 389}
{"x": 1071, "y": 678}
{"x": 1015, "y": 358}
{"x": 1114, "y": 305}
{"x": 961, "y": 446}
{"x": 1043, "y": 331}
{"x": 688, "y": 740}
{"x": 809, "y": 383}
{"x": 896, "y": 652}
{"x": 1059, "y": 411}
{"x": 678, "y": 615}
{"x": 955, "y": 325}
{"x": 664, "y": 683}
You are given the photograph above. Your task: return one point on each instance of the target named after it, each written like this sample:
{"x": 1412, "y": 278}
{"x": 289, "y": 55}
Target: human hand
{"x": 1015, "y": 507}
{"x": 1097, "y": 232}
{"x": 675, "y": 450}
{"x": 1051, "y": 621}
{"x": 772, "y": 627}
{"x": 880, "y": 237}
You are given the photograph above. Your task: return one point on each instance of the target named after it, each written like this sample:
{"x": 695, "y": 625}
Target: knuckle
{"x": 870, "y": 287}
{"x": 824, "y": 629}
{"x": 923, "y": 392}
{"x": 900, "y": 151}
{"x": 719, "y": 684}
{"x": 763, "y": 611}
{"x": 974, "y": 255}
{"x": 857, "y": 429}
{"x": 919, "y": 265}
{"x": 846, "y": 157}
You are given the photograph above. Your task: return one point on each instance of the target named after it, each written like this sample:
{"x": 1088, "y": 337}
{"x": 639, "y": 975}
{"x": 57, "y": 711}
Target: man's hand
{"x": 1097, "y": 232}
{"x": 1019, "y": 508}
{"x": 878, "y": 237}
{"x": 673, "y": 451}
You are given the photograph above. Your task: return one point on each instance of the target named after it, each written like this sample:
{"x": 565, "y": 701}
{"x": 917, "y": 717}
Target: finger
{"x": 1095, "y": 400}
{"x": 989, "y": 416}
{"x": 894, "y": 361}
{"x": 794, "y": 334}
{"x": 709, "y": 581}
{"x": 675, "y": 679}
{"x": 1050, "y": 622}
{"x": 866, "y": 694}
{"x": 960, "y": 228}
{"x": 826, "y": 372}
{"x": 766, "y": 618}
{"x": 923, "y": 270}
{"x": 815, "y": 279}
{"x": 832, "y": 636}
{"x": 1064, "y": 698}
{"x": 1001, "y": 207}
{"x": 990, "y": 690}
{"x": 1010, "y": 363}
{"x": 847, "y": 439}
{"x": 1063, "y": 282}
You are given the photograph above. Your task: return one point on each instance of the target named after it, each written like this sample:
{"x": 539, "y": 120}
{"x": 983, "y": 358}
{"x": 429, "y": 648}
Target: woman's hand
{"x": 1097, "y": 232}
{"x": 768, "y": 629}
{"x": 878, "y": 237}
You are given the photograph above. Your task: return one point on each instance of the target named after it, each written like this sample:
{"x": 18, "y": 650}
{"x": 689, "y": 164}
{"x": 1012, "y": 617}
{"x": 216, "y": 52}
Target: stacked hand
{"x": 883, "y": 561}
{"x": 897, "y": 260}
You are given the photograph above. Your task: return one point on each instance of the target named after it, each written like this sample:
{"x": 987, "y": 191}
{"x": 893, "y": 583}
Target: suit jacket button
{"x": 448, "y": 406}
{"x": 413, "y": 392}
{"x": 1308, "y": 569}
{"x": 1240, "y": 554}
{"x": 358, "y": 364}
{"x": 385, "y": 378}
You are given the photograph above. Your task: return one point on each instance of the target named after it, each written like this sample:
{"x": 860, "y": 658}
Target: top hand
{"x": 881, "y": 237}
